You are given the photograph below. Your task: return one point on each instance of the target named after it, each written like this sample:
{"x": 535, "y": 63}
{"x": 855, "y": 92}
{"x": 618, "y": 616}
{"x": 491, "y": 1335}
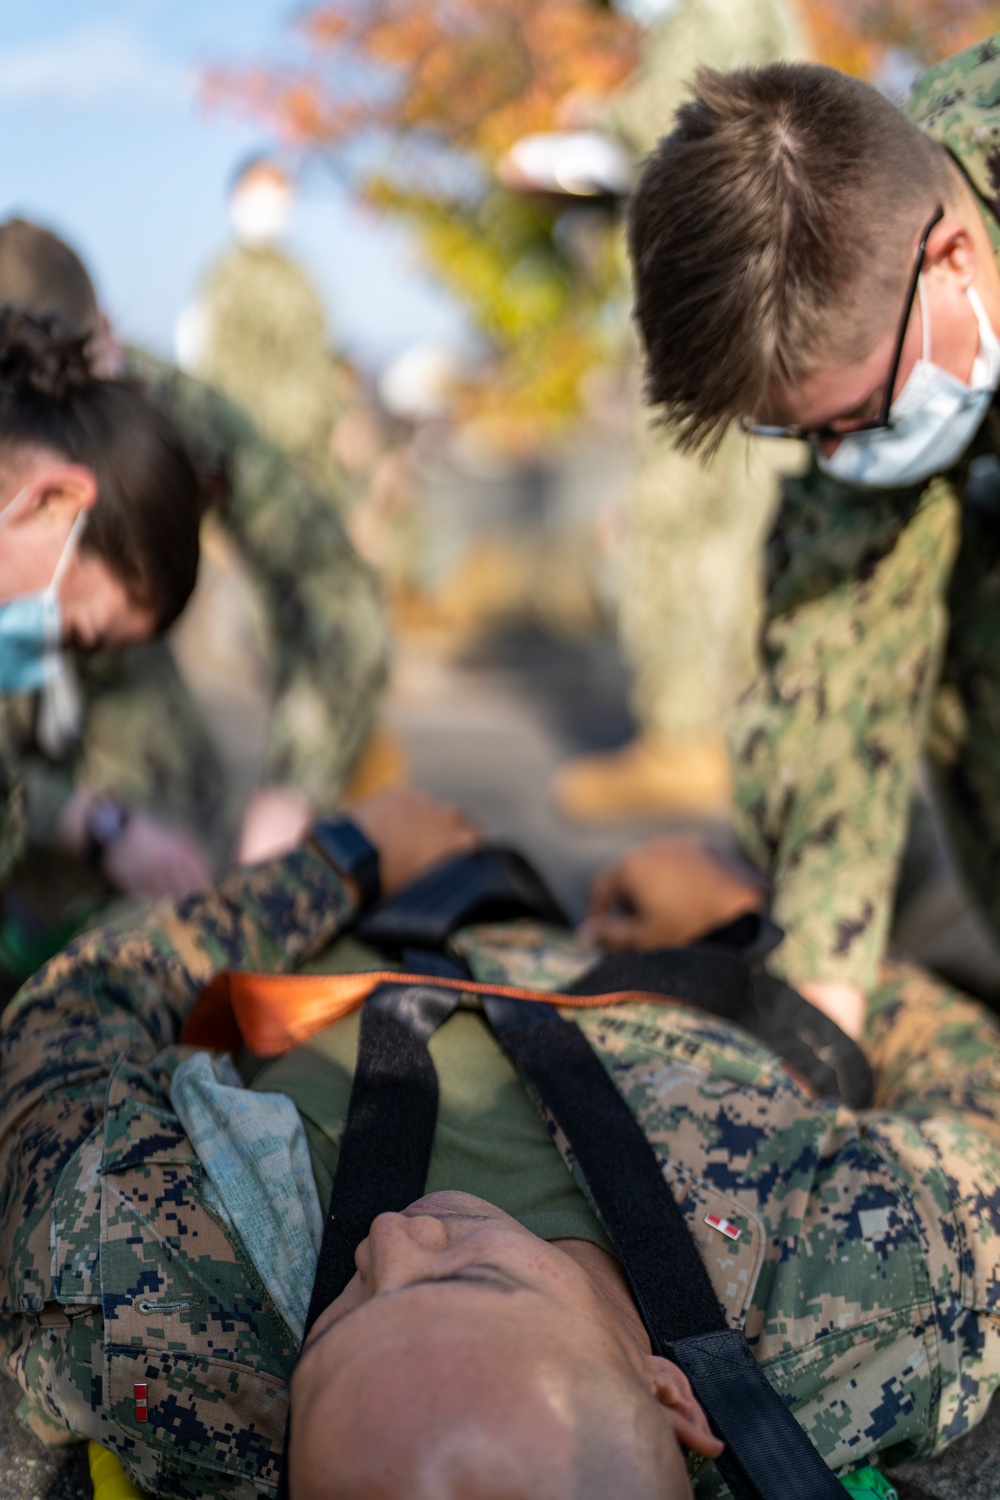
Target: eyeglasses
{"x": 883, "y": 421}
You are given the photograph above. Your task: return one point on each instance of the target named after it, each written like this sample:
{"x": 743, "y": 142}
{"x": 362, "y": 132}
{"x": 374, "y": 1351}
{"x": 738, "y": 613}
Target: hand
{"x": 843, "y": 1003}
{"x": 150, "y": 859}
{"x": 411, "y": 832}
{"x": 665, "y": 893}
{"x": 275, "y": 819}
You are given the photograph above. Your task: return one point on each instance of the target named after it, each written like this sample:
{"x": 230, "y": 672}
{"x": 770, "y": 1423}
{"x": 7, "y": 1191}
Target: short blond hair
{"x": 772, "y": 229}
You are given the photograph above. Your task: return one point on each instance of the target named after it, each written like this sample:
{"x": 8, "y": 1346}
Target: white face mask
{"x": 934, "y": 417}
{"x": 260, "y": 214}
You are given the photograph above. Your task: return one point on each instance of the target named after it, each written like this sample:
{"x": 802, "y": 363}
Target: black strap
{"x": 490, "y": 884}
{"x": 722, "y": 972}
{"x": 766, "y": 1450}
{"x": 394, "y": 1098}
{"x": 718, "y": 982}
{"x": 715, "y": 976}
{"x": 670, "y": 1285}
{"x": 382, "y": 1166}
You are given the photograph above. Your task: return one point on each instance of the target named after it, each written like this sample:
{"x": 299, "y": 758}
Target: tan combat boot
{"x": 647, "y": 776}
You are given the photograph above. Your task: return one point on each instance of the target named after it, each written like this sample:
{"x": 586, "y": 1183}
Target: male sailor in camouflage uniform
{"x": 160, "y": 1217}
{"x": 143, "y": 741}
{"x": 689, "y": 594}
{"x": 883, "y": 615}
{"x": 257, "y": 330}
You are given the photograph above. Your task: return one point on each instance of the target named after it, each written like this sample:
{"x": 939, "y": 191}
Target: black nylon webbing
{"x": 767, "y": 1452}
{"x": 394, "y": 1098}
{"x": 382, "y": 1166}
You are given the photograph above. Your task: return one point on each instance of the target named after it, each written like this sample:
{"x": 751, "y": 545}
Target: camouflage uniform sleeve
{"x": 825, "y": 746}
{"x": 121, "y": 990}
{"x": 322, "y": 601}
{"x": 43, "y": 787}
{"x": 13, "y": 817}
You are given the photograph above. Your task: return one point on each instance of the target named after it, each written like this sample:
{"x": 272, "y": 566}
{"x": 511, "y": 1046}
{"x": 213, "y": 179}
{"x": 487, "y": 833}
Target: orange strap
{"x": 271, "y": 1013}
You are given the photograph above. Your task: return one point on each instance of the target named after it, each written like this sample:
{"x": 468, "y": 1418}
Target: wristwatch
{"x": 350, "y": 853}
{"x": 107, "y": 820}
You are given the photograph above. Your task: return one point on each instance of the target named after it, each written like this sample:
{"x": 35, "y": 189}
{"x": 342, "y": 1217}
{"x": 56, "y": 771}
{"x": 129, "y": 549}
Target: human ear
{"x": 64, "y": 487}
{"x": 673, "y": 1391}
{"x": 951, "y": 252}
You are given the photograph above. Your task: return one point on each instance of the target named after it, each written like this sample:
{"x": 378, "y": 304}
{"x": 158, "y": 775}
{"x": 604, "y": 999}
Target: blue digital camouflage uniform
{"x": 143, "y": 736}
{"x": 866, "y": 1273}
{"x": 881, "y": 643}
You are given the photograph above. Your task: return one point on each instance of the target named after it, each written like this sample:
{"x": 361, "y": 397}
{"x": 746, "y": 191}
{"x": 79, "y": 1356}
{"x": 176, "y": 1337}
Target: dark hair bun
{"x": 41, "y": 358}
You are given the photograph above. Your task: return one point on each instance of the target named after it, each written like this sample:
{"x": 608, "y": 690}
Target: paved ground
{"x": 488, "y": 730}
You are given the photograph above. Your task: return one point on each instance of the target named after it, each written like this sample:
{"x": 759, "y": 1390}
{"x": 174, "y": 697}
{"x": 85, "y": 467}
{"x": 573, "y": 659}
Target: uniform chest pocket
{"x": 76, "y": 1214}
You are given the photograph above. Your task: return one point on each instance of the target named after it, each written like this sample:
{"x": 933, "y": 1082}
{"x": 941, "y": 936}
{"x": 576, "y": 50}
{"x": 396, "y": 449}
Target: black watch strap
{"x": 350, "y": 853}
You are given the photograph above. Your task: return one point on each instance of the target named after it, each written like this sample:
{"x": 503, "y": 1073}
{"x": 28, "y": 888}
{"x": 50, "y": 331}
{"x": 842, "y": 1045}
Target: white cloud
{"x": 104, "y": 64}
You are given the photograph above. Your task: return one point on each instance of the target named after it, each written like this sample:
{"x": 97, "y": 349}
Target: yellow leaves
{"x": 475, "y": 76}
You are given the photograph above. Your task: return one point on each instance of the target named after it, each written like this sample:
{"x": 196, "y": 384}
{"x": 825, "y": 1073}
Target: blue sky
{"x": 103, "y": 138}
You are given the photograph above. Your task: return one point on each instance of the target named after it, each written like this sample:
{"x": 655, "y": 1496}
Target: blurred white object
{"x": 582, "y": 163}
{"x": 191, "y": 338}
{"x": 417, "y": 386}
{"x": 260, "y": 205}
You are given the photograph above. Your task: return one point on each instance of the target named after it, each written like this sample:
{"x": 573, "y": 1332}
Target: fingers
{"x": 617, "y": 931}
{"x": 180, "y": 870}
{"x": 606, "y": 890}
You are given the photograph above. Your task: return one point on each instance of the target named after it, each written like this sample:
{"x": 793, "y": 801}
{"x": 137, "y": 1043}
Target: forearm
{"x": 129, "y": 988}
{"x": 328, "y": 691}
{"x": 826, "y": 746}
{"x": 49, "y": 791}
{"x": 326, "y": 622}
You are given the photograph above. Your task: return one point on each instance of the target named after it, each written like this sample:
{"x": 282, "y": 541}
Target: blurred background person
{"x": 143, "y": 741}
{"x": 100, "y": 507}
{"x": 257, "y": 329}
{"x": 689, "y": 535}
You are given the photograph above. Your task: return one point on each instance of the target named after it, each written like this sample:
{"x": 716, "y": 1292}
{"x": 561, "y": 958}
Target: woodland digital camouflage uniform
{"x": 13, "y": 818}
{"x": 144, "y": 737}
{"x": 267, "y": 349}
{"x": 882, "y": 640}
{"x": 866, "y": 1273}
{"x": 690, "y": 588}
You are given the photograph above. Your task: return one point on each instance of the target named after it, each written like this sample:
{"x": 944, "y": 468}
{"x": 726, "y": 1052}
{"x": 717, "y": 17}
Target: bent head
{"x": 773, "y": 235}
{"x": 470, "y": 1360}
{"x": 72, "y": 447}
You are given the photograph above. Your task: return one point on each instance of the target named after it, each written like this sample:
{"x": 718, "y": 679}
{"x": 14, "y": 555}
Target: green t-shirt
{"x": 489, "y": 1138}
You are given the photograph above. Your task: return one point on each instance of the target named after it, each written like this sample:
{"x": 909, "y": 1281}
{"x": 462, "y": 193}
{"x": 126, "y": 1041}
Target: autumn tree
{"x": 417, "y": 100}
{"x": 864, "y": 36}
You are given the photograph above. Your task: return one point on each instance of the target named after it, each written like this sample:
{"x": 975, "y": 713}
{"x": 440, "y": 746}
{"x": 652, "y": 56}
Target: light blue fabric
{"x": 253, "y": 1149}
{"x": 29, "y": 634}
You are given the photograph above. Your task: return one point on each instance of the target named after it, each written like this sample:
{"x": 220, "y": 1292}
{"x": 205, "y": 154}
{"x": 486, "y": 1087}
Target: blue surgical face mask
{"x": 934, "y": 417}
{"x": 31, "y": 624}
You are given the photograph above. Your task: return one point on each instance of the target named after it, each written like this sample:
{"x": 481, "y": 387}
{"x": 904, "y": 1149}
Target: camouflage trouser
{"x": 690, "y": 589}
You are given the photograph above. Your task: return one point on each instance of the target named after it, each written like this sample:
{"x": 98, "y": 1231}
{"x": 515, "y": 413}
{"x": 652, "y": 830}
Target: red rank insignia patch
{"x": 724, "y": 1226}
{"x": 141, "y": 1406}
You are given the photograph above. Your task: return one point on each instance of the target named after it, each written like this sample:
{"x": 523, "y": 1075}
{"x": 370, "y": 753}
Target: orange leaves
{"x": 478, "y": 73}
{"x": 472, "y": 76}
{"x": 859, "y": 36}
